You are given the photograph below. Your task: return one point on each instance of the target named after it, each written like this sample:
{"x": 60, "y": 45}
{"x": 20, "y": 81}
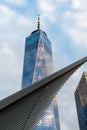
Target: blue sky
{"x": 65, "y": 22}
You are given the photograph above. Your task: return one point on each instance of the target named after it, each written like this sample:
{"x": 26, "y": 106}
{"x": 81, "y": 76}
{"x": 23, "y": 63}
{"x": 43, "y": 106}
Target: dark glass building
{"x": 81, "y": 102}
{"x": 38, "y": 63}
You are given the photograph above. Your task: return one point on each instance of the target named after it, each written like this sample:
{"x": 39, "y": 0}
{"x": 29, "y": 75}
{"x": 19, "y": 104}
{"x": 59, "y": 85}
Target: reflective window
{"x": 31, "y": 46}
{"x": 40, "y": 69}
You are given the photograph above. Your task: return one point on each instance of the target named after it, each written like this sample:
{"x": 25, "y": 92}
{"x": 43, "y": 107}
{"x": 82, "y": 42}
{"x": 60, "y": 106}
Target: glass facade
{"x": 37, "y": 65}
{"x": 81, "y": 102}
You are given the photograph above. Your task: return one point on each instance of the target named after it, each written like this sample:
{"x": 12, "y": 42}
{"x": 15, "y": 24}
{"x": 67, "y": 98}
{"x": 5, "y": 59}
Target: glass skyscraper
{"x": 81, "y": 102}
{"x": 38, "y": 64}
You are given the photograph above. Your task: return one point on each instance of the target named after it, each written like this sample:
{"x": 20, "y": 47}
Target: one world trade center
{"x": 38, "y": 64}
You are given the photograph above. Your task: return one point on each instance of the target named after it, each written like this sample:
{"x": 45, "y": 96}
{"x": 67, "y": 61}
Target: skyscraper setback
{"x": 81, "y": 102}
{"x": 38, "y": 64}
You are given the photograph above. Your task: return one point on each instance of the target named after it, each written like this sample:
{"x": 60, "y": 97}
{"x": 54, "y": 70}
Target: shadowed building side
{"x": 81, "y": 102}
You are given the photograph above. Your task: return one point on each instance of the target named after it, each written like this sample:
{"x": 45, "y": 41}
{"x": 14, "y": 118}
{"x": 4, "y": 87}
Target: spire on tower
{"x": 38, "y": 24}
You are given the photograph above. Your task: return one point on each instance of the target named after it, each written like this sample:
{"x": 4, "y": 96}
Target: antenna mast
{"x": 38, "y": 24}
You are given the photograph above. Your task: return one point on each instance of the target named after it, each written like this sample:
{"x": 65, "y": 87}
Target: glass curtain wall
{"x": 38, "y": 64}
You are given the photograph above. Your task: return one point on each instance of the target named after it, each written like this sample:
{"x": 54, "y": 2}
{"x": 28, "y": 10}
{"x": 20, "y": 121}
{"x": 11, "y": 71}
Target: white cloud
{"x": 79, "y": 4}
{"x": 46, "y": 6}
{"x": 15, "y": 2}
{"x": 13, "y": 30}
{"x": 47, "y": 9}
{"x": 76, "y": 4}
{"x": 77, "y": 31}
